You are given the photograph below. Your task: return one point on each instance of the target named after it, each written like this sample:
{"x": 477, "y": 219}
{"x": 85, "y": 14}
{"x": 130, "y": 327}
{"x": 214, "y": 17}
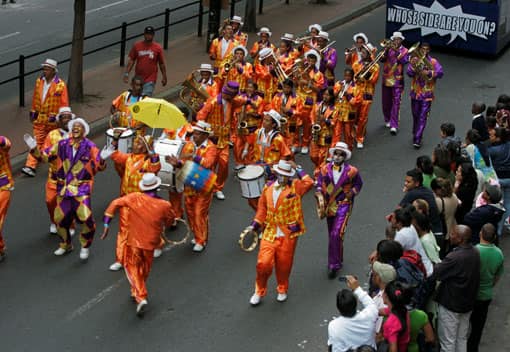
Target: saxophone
{"x": 242, "y": 125}
{"x": 316, "y": 127}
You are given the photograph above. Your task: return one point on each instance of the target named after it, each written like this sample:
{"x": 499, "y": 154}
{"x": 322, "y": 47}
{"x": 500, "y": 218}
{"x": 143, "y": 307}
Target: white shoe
{"x": 157, "y": 253}
{"x": 294, "y": 150}
{"x": 255, "y": 299}
{"x": 359, "y": 145}
{"x": 84, "y": 253}
{"x": 60, "y": 251}
{"x": 220, "y": 195}
{"x": 115, "y": 266}
{"x": 193, "y": 241}
{"x": 140, "y": 308}
{"x": 387, "y": 125}
{"x": 198, "y": 248}
{"x": 304, "y": 150}
{"x": 393, "y": 131}
{"x": 53, "y": 229}
{"x": 72, "y": 232}
{"x": 282, "y": 297}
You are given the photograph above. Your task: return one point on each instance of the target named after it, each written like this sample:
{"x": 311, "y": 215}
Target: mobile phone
{"x": 342, "y": 278}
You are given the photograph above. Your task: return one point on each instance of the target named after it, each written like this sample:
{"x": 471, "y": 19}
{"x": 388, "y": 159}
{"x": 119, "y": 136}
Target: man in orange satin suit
{"x": 6, "y": 186}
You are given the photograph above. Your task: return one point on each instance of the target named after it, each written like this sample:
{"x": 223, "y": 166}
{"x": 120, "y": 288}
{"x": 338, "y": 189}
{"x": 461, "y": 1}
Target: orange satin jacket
{"x": 327, "y": 122}
{"x": 215, "y": 51}
{"x": 6, "y": 179}
{"x": 271, "y": 149}
{"x": 204, "y": 155}
{"x": 45, "y": 112}
{"x": 134, "y": 165}
{"x": 121, "y": 104}
{"x": 347, "y": 107}
{"x": 367, "y": 87}
{"x": 266, "y": 82}
{"x": 293, "y": 103}
{"x": 239, "y": 76}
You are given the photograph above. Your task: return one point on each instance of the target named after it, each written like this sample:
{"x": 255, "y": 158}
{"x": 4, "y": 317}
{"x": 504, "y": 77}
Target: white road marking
{"x": 139, "y": 9}
{"x": 106, "y": 6}
{"x": 10, "y": 35}
{"x": 20, "y": 46}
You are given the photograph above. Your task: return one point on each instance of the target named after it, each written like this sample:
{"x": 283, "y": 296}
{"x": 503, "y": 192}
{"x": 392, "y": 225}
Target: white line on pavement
{"x": 9, "y": 35}
{"x": 139, "y": 9}
{"x": 106, "y": 6}
{"x": 20, "y": 47}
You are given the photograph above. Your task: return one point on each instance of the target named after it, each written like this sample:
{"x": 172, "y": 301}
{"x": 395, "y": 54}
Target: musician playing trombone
{"x": 264, "y": 34}
{"x": 323, "y": 119}
{"x": 348, "y": 97}
{"x": 288, "y": 106}
{"x": 328, "y": 57}
{"x": 266, "y": 76}
{"x": 424, "y": 70}
{"x": 237, "y": 69}
{"x": 286, "y": 52}
{"x": 353, "y": 54}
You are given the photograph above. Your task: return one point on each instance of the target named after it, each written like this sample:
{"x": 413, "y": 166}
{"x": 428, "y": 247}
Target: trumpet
{"x": 243, "y": 124}
{"x": 350, "y": 50}
{"x": 321, "y": 51}
{"x": 249, "y": 231}
{"x": 229, "y": 64}
{"x": 302, "y": 40}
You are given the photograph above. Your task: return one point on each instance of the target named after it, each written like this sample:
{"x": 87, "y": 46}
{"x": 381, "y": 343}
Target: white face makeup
{"x": 282, "y": 180}
{"x": 338, "y": 157}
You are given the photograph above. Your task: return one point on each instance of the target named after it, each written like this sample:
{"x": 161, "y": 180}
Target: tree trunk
{"x": 250, "y": 16}
{"x": 75, "y": 82}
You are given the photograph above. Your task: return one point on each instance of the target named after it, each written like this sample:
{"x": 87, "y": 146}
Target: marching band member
{"x": 424, "y": 75}
{"x": 6, "y": 187}
{"x": 393, "y": 81}
{"x": 122, "y": 103}
{"x": 221, "y": 48}
{"x": 338, "y": 182}
{"x": 50, "y": 94}
{"x": 135, "y": 165}
{"x": 366, "y": 84}
{"x": 218, "y": 111}
{"x": 145, "y": 215}
{"x": 265, "y": 76}
{"x": 348, "y": 99}
{"x": 288, "y": 106}
{"x": 328, "y": 58}
{"x": 206, "y": 81}
{"x": 197, "y": 203}
{"x": 323, "y": 116}
{"x": 241, "y": 70}
{"x": 78, "y": 160}
{"x": 281, "y": 215}
{"x": 353, "y": 54}
{"x": 314, "y": 30}
{"x": 264, "y": 34}
{"x": 241, "y": 37}
{"x": 286, "y": 53}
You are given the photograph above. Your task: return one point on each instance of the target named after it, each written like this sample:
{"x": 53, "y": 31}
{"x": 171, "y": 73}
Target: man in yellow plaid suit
{"x": 280, "y": 213}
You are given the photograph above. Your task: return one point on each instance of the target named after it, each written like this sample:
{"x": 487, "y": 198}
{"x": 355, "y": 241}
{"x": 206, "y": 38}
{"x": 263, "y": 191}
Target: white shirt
{"x": 46, "y": 88}
{"x": 408, "y": 238}
{"x": 224, "y": 46}
{"x": 345, "y": 333}
{"x": 337, "y": 174}
{"x": 276, "y": 195}
{"x": 379, "y": 302}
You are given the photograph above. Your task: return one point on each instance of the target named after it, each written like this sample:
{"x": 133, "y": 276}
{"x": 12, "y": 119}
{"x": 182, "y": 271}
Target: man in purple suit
{"x": 338, "y": 183}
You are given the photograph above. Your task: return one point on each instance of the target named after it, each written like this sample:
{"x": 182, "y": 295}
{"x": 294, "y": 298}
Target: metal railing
{"x": 22, "y": 73}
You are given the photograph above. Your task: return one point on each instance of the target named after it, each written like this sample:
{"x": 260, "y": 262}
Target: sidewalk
{"x": 104, "y": 83}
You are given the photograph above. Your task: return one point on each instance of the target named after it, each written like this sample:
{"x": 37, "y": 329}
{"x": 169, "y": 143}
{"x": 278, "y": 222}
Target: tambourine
{"x": 184, "y": 239}
{"x": 255, "y": 239}
{"x": 321, "y": 205}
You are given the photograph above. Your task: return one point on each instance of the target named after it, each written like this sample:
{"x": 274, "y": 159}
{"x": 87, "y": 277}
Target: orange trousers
{"x": 51, "y": 199}
{"x": 5, "y": 200}
{"x": 137, "y": 265}
{"x": 318, "y": 155}
{"x": 175, "y": 199}
{"x": 197, "y": 210}
{"x": 222, "y": 168}
{"x": 41, "y": 130}
{"x": 240, "y": 143}
{"x": 280, "y": 255}
{"x": 253, "y": 203}
{"x": 361, "y": 129}
{"x": 344, "y": 133}
{"x": 306, "y": 123}
{"x": 120, "y": 249}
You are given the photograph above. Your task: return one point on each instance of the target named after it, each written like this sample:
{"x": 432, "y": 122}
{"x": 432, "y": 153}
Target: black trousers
{"x": 477, "y": 322}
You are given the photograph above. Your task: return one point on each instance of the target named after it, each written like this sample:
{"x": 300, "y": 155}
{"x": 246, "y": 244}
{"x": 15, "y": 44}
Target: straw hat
{"x": 274, "y": 115}
{"x": 82, "y": 122}
{"x": 288, "y": 37}
{"x": 265, "y": 53}
{"x": 264, "y": 30}
{"x": 50, "y": 63}
{"x": 202, "y": 126}
{"x": 65, "y": 110}
{"x": 323, "y": 35}
{"x": 317, "y": 55}
{"x": 240, "y": 47}
{"x": 316, "y": 26}
{"x": 343, "y": 148}
{"x": 284, "y": 168}
{"x": 206, "y": 67}
{"x": 397, "y": 35}
{"x": 362, "y": 35}
{"x": 237, "y": 19}
{"x": 149, "y": 182}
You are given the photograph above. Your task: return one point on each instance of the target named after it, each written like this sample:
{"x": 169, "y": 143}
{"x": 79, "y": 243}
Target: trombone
{"x": 280, "y": 72}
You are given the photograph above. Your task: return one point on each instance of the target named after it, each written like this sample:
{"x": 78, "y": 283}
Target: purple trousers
{"x": 420, "y": 110}
{"x": 391, "y": 98}
{"x": 336, "y": 230}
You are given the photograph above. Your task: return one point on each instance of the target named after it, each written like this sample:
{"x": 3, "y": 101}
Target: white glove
{"x": 106, "y": 152}
{"x": 29, "y": 141}
{"x": 244, "y": 154}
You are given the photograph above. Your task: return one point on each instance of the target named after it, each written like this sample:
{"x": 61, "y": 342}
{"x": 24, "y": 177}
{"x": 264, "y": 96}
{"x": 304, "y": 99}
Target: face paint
{"x": 338, "y": 159}
{"x": 281, "y": 179}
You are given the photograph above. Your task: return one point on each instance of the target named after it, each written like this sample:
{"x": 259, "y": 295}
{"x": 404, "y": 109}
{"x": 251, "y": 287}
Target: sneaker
{"x": 393, "y": 131}
{"x": 193, "y": 241}
{"x": 294, "y": 150}
{"x": 157, "y": 253}
{"x": 255, "y": 299}
{"x": 220, "y": 195}
{"x": 115, "y": 266}
{"x": 387, "y": 124}
{"x": 417, "y": 145}
{"x": 61, "y": 251}
{"x": 198, "y": 248}
{"x": 332, "y": 273}
{"x": 282, "y": 297}
{"x": 141, "y": 307}
{"x": 84, "y": 253}
{"x": 53, "y": 229}
{"x": 304, "y": 150}
{"x": 359, "y": 145}
{"x": 28, "y": 171}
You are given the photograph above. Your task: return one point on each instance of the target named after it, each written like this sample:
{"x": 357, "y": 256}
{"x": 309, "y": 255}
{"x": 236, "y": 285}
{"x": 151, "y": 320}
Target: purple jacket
{"x": 328, "y": 61}
{"x": 393, "y": 69}
{"x": 422, "y": 88}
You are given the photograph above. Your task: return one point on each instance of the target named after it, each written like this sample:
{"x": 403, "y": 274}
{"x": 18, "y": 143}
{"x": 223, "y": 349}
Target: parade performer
{"x": 425, "y": 71}
{"x": 328, "y": 58}
{"x": 353, "y": 54}
{"x": 288, "y": 106}
{"x": 264, "y": 34}
{"x": 348, "y": 99}
{"x": 237, "y": 70}
{"x": 120, "y": 106}
{"x": 241, "y": 37}
{"x": 366, "y": 81}
{"x": 280, "y": 214}
{"x": 78, "y": 160}
{"x": 338, "y": 182}
{"x": 218, "y": 112}
{"x": 393, "y": 81}
{"x": 265, "y": 76}
{"x": 323, "y": 119}
{"x": 311, "y": 42}
{"x": 286, "y": 53}
{"x": 206, "y": 81}
{"x": 50, "y": 94}
{"x": 197, "y": 203}
{"x": 220, "y": 50}
{"x": 6, "y": 187}
{"x": 146, "y": 214}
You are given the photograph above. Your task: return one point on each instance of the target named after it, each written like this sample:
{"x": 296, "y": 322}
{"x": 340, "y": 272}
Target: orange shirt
{"x": 6, "y": 179}
{"x": 134, "y": 165}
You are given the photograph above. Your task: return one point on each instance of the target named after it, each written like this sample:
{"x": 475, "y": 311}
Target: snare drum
{"x": 124, "y": 138}
{"x": 167, "y": 147}
{"x": 197, "y": 177}
{"x": 252, "y": 180}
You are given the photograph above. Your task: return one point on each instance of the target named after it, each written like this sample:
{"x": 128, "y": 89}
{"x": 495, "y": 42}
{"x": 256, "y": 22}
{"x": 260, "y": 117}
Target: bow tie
{"x": 336, "y": 168}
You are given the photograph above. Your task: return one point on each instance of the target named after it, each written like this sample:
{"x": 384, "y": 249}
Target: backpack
{"x": 412, "y": 275}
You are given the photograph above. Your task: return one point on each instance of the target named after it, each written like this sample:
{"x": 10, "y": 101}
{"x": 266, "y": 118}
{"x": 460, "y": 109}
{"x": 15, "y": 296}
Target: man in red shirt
{"x": 148, "y": 55}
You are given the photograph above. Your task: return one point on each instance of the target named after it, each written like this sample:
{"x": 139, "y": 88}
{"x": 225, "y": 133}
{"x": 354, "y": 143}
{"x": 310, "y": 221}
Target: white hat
{"x": 237, "y": 19}
{"x": 50, "y": 63}
{"x": 149, "y": 182}
{"x": 274, "y": 115}
{"x": 284, "y": 168}
{"x": 397, "y": 35}
{"x": 80, "y": 121}
{"x": 202, "y": 126}
{"x": 342, "y": 147}
{"x": 65, "y": 110}
{"x": 288, "y": 37}
{"x": 324, "y": 35}
{"x": 206, "y": 67}
{"x": 265, "y": 53}
{"x": 240, "y": 47}
{"x": 264, "y": 30}
{"x": 318, "y": 27}
{"x": 362, "y": 35}
{"x": 317, "y": 55}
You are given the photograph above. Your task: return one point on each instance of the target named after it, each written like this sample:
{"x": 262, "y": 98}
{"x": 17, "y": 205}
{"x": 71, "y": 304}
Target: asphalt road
{"x": 200, "y": 302}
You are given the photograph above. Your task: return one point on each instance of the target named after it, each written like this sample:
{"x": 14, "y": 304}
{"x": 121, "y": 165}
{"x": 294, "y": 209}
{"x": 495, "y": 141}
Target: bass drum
{"x": 167, "y": 147}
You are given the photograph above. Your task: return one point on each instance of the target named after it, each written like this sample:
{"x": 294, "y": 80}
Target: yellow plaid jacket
{"x": 6, "y": 179}
{"x": 135, "y": 166}
{"x": 45, "y": 112}
{"x": 53, "y": 138}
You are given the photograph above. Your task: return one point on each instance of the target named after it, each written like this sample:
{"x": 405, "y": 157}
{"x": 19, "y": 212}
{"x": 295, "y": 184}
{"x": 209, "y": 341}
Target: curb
{"x": 98, "y": 127}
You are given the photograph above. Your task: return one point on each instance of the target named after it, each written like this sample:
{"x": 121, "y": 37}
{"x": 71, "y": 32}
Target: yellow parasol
{"x": 158, "y": 113}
